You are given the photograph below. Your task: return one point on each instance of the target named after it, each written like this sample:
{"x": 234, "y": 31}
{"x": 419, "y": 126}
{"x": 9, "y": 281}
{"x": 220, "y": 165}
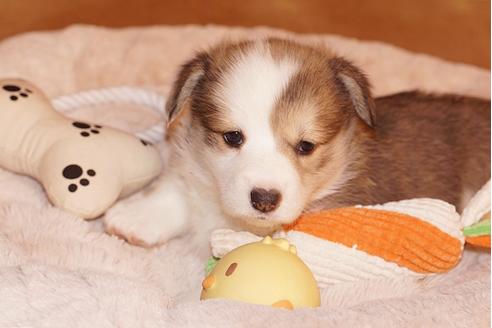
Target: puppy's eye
{"x": 305, "y": 147}
{"x": 233, "y": 138}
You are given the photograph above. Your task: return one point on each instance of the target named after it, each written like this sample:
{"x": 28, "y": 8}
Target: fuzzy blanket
{"x": 58, "y": 271}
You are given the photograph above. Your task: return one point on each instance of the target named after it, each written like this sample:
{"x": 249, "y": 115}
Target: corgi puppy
{"x": 262, "y": 131}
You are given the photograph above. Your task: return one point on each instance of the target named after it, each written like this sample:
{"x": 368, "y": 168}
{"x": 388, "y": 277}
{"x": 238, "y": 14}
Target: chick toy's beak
{"x": 208, "y": 282}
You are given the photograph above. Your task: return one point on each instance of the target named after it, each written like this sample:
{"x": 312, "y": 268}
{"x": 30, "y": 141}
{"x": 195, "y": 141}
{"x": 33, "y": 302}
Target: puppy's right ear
{"x": 190, "y": 74}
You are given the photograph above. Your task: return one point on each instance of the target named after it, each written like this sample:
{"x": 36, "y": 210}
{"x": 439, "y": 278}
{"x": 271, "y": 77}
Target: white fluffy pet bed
{"x": 59, "y": 271}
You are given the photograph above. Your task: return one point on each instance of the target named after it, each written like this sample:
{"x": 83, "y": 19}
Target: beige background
{"x": 458, "y": 30}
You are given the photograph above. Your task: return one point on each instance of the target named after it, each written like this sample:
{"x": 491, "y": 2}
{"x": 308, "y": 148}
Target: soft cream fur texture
{"x": 57, "y": 270}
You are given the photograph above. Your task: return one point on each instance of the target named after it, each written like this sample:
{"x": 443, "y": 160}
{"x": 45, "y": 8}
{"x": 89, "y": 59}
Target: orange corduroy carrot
{"x": 480, "y": 241}
{"x": 399, "y": 238}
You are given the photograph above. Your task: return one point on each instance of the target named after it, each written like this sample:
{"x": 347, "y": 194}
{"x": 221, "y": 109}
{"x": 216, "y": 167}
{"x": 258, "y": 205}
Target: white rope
{"x": 123, "y": 94}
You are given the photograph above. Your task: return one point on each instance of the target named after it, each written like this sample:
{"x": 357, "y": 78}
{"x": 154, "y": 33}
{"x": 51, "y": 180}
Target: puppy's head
{"x": 273, "y": 124}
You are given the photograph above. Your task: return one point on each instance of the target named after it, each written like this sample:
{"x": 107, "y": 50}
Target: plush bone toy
{"x": 83, "y": 167}
{"x": 410, "y": 237}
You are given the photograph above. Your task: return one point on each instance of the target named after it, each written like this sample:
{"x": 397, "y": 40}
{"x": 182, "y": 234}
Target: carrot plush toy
{"x": 410, "y": 237}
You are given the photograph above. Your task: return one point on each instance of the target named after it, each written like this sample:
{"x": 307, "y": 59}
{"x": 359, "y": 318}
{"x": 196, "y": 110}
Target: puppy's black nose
{"x": 265, "y": 200}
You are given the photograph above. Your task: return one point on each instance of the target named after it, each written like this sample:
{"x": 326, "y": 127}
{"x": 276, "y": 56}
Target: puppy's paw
{"x": 146, "y": 222}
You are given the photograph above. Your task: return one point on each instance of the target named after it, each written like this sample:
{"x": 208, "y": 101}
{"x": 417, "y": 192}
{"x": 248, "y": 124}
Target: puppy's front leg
{"x": 151, "y": 217}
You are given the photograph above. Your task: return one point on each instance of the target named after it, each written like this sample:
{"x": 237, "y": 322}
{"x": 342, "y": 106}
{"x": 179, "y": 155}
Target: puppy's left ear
{"x": 353, "y": 84}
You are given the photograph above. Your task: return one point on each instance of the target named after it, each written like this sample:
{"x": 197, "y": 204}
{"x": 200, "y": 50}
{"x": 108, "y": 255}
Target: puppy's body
{"x": 423, "y": 146}
{"x": 261, "y": 131}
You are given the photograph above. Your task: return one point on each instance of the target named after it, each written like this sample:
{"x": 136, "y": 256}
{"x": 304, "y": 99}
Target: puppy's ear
{"x": 352, "y": 83}
{"x": 188, "y": 77}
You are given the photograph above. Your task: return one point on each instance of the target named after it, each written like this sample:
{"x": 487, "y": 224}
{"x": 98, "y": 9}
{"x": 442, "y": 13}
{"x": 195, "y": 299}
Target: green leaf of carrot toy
{"x": 481, "y": 228}
{"x": 211, "y": 263}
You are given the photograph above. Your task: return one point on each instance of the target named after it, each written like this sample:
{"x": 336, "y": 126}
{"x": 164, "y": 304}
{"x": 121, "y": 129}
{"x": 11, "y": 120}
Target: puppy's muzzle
{"x": 265, "y": 200}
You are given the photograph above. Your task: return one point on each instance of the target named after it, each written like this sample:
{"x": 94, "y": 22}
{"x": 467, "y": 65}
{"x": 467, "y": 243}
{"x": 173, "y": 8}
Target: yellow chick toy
{"x": 267, "y": 272}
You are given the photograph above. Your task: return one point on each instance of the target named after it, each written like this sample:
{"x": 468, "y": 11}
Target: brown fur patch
{"x": 318, "y": 107}
{"x": 424, "y": 146}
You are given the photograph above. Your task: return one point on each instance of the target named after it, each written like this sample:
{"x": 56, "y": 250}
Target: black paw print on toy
{"x": 145, "y": 143}
{"x": 74, "y": 171}
{"x": 87, "y": 128}
{"x": 16, "y": 91}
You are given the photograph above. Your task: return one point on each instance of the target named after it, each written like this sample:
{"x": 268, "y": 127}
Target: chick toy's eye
{"x": 230, "y": 269}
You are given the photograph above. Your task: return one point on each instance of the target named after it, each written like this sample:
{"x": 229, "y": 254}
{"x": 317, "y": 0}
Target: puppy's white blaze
{"x": 250, "y": 91}
{"x": 255, "y": 81}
